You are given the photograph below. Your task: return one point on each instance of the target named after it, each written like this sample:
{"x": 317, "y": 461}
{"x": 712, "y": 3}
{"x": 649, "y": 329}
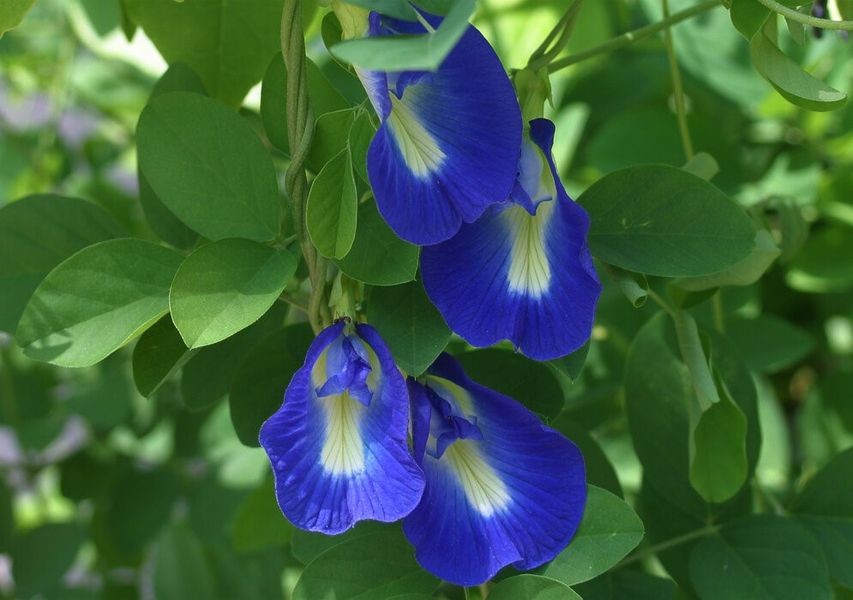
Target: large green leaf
{"x": 262, "y": 377}
{"x": 748, "y": 16}
{"x": 36, "y": 234}
{"x": 409, "y": 323}
{"x": 768, "y": 344}
{"x": 41, "y": 556}
{"x": 762, "y": 557}
{"x": 158, "y": 355}
{"x": 660, "y": 220}
{"x": 228, "y": 43}
{"x": 308, "y": 545}
{"x": 746, "y": 272}
{"x": 259, "y": 523}
{"x": 532, "y": 587}
{"x": 825, "y": 507}
{"x": 610, "y": 529}
{"x": 208, "y": 167}
{"x": 97, "y": 301}
{"x": 627, "y": 584}
{"x": 377, "y": 256}
{"x": 410, "y": 52}
{"x": 13, "y": 13}
{"x": 373, "y": 567}
{"x": 527, "y": 381}
{"x": 332, "y": 207}
{"x": 823, "y": 265}
{"x": 181, "y": 570}
{"x": 224, "y": 287}
{"x": 796, "y": 85}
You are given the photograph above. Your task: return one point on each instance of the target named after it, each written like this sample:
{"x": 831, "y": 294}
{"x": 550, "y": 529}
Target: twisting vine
{"x": 300, "y": 131}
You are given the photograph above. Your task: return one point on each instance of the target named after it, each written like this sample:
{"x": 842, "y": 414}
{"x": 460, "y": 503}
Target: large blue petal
{"x": 516, "y": 276}
{"x": 339, "y": 459}
{"x": 449, "y": 146}
{"x": 516, "y": 496}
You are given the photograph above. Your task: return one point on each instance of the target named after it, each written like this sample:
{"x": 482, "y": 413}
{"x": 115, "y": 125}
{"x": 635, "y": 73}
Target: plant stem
{"x": 564, "y": 27}
{"x": 678, "y": 88}
{"x": 799, "y": 17}
{"x": 667, "y": 544}
{"x": 633, "y": 36}
{"x": 719, "y": 312}
{"x": 661, "y": 302}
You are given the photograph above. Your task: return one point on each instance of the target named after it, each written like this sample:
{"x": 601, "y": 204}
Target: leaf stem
{"x": 667, "y": 545}
{"x": 678, "y": 88}
{"x": 633, "y": 36}
{"x": 799, "y": 17}
{"x": 661, "y": 302}
{"x": 546, "y": 52}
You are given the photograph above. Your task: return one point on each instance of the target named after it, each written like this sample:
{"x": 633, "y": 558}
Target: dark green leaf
{"x": 308, "y": 545}
{"x": 748, "y": 16}
{"x": 409, "y": 323}
{"x": 262, "y": 377}
{"x": 259, "y": 523}
{"x": 571, "y": 365}
{"x": 224, "y": 287}
{"x": 181, "y": 570}
{"x": 527, "y": 381}
{"x": 360, "y": 135}
{"x": 42, "y": 555}
{"x": 208, "y": 167}
{"x": 634, "y": 286}
{"x": 36, "y": 234}
{"x": 97, "y": 301}
{"x": 378, "y": 257}
{"x": 158, "y": 355}
{"x": 599, "y": 471}
{"x": 768, "y": 344}
{"x": 531, "y": 587}
{"x": 332, "y": 207}
{"x": 660, "y": 220}
{"x": 625, "y": 584}
{"x": 150, "y": 497}
{"x": 824, "y": 265}
{"x": 746, "y": 272}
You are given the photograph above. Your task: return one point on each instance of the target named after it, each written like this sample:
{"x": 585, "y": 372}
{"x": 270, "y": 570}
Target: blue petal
{"x": 523, "y": 271}
{"x": 340, "y": 457}
{"x": 516, "y": 496}
{"x": 449, "y": 145}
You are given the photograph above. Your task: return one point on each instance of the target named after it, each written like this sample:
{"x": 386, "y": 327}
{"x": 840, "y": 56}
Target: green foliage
{"x": 13, "y": 13}
{"x": 532, "y": 587}
{"x": 333, "y": 207}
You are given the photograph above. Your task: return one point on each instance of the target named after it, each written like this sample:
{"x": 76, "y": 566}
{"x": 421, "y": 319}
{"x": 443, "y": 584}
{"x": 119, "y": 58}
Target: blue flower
{"x": 523, "y": 271}
{"x": 501, "y": 488}
{"x": 449, "y": 141}
{"x": 339, "y": 443}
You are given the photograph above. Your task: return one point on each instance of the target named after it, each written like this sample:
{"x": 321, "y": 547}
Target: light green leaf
{"x": 12, "y": 13}
{"x": 330, "y": 137}
{"x": 97, "y": 301}
{"x": 410, "y": 52}
{"x": 762, "y": 557}
{"x": 371, "y": 567}
{"x": 181, "y": 570}
{"x": 208, "y": 167}
{"x": 158, "y": 355}
{"x": 263, "y": 376}
{"x": 333, "y": 207}
{"x": 527, "y": 381}
{"x": 660, "y": 220}
{"x": 702, "y": 165}
{"x": 532, "y": 587}
{"x": 225, "y": 286}
{"x": 746, "y": 272}
{"x": 409, "y": 323}
{"x": 377, "y": 256}
{"x": 610, "y": 529}
{"x": 794, "y": 84}
{"x": 229, "y": 44}
{"x": 825, "y": 507}
{"x": 36, "y": 234}
{"x": 360, "y": 135}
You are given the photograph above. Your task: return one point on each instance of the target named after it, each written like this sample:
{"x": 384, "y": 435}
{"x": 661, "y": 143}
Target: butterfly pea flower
{"x": 523, "y": 271}
{"x": 501, "y": 487}
{"x": 339, "y": 443}
{"x": 449, "y": 140}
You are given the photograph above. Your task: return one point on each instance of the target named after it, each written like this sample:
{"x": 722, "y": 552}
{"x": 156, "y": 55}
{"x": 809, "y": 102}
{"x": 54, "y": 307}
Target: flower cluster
{"x": 478, "y": 480}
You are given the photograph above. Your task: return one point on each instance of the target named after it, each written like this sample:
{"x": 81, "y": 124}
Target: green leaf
{"x": 308, "y": 545}
{"x": 7, "y": 517}
{"x": 718, "y": 462}
{"x": 360, "y": 135}
{"x": 599, "y": 470}
{"x": 762, "y": 557}
{"x": 625, "y": 584}
{"x": 572, "y": 365}
{"x": 333, "y": 207}
{"x": 158, "y": 355}
{"x": 660, "y": 220}
{"x": 377, "y": 256}
{"x": 207, "y": 377}
{"x": 746, "y": 272}
{"x": 767, "y": 343}
{"x": 794, "y": 84}
{"x": 410, "y": 52}
{"x": 41, "y": 556}
{"x": 323, "y": 96}
{"x": 748, "y": 16}
{"x": 409, "y": 323}
{"x": 531, "y": 587}
{"x": 96, "y": 301}
{"x": 13, "y": 13}
{"x": 181, "y": 570}
{"x": 259, "y": 523}
{"x": 825, "y": 507}
{"x": 229, "y": 44}
{"x": 824, "y": 264}
{"x": 516, "y": 376}
{"x": 262, "y": 377}
{"x": 225, "y": 286}
{"x": 634, "y": 286}
{"x": 371, "y": 567}
{"x": 36, "y": 234}
{"x": 702, "y": 165}
{"x": 330, "y": 137}
{"x": 208, "y": 167}
{"x": 610, "y": 529}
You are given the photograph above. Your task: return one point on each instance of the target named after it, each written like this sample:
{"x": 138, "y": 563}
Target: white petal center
{"x": 419, "y": 148}
{"x": 529, "y": 270}
{"x": 343, "y": 449}
{"x": 483, "y": 488}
